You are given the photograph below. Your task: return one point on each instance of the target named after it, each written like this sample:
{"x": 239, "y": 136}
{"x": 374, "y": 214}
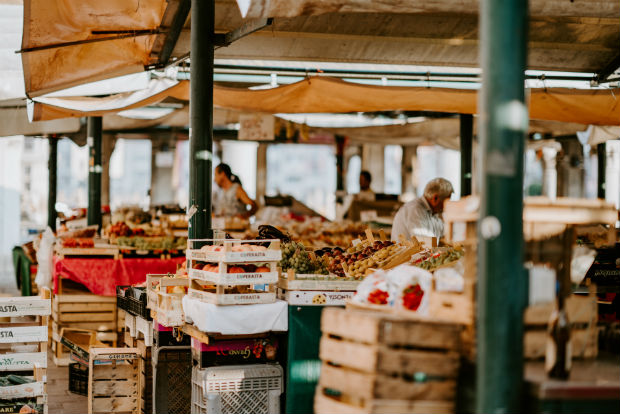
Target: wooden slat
{"x": 83, "y": 298}
{"x": 371, "y": 358}
{"x": 85, "y": 307}
{"x": 372, "y": 327}
{"x": 21, "y": 306}
{"x": 23, "y": 361}
{"x": 116, "y": 388}
{"x": 330, "y": 405}
{"x": 114, "y": 404}
{"x": 23, "y": 334}
{"x": 95, "y": 326}
{"x": 366, "y": 385}
{"x": 85, "y": 317}
{"x": 121, "y": 371}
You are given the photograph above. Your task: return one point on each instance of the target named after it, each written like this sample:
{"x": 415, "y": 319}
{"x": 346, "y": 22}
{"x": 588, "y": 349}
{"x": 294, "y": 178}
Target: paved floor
{"x": 60, "y": 400}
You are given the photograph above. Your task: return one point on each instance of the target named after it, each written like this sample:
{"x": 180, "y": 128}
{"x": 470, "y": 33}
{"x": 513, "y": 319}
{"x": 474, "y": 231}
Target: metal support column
{"x": 340, "y": 143}
{"x": 51, "y": 195}
{"x": 601, "y": 155}
{"x": 201, "y": 118}
{"x": 502, "y": 282}
{"x": 94, "y": 142}
{"x": 467, "y": 136}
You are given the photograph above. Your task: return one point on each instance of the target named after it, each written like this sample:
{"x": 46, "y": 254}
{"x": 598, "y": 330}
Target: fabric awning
{"x": 329, "y": 95}
{"x": 62, "y": 40}
{"x": 291, "y": 8}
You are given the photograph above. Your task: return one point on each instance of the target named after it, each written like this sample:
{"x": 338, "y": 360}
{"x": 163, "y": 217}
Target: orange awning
{"x": 328, "y": 95}
{"x": 62, "y": 40}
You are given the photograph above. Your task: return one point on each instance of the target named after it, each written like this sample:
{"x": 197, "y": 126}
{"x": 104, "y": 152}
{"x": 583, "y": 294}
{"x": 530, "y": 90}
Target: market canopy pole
{"x": 601, "y": 154}
{"x": 201, "y": 118}
{"x": 94, "y": 140}
{"x": 467, "y": 135}
{"x": 51, "y": 194}
{"x": 501, "y": 280}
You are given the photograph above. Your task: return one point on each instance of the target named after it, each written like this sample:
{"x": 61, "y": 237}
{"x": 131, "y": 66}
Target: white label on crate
{"x": 33, "y": 389}
{"x": 23, "y": 334}
{"x": 117, "y": 356}
{"x": 317, "y": 298}
{"x": 235, "y": 278}
{"x": 26, "y": 306}
{"x": 28, "y": 360}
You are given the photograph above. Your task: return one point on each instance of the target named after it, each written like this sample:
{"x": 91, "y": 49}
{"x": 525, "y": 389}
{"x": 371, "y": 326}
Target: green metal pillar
{"x": 467, "y": 136}
{"x": 601, "y": 154}
{"x": 502, "y": 282}
{"x": 52, "y": 165}
{"x": 94, "y": 141}
{"x": 201, "y": 118}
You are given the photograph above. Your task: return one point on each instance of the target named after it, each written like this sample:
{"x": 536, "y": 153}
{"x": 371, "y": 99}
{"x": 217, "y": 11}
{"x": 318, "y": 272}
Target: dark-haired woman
{"x": 231, "y": 200}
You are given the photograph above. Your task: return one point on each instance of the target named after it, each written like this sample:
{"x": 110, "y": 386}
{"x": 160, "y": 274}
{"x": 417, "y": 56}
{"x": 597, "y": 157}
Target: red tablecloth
{"x": 101, "y": 276}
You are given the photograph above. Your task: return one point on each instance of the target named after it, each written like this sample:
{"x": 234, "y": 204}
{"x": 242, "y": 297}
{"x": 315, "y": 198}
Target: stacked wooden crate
{"x": 135, "y": 337}
{"x": 75, "y": 307}
{"x": 582, "y": 315}
{"x": 374, "y": 362}
{"x": 23, "y": 352}
{"x": 113, "y": 380}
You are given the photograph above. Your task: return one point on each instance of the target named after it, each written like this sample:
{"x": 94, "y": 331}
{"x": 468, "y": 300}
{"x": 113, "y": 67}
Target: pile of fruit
{"x": 120, "y": 229}
{"x": 233, "y": 268}
{"x": 360, "y": 258}
{"x": 152, "y": 243}
{"x": 78, "y": 242}
{"x": 432, "y": 259}
{"x": 295, "y": 256}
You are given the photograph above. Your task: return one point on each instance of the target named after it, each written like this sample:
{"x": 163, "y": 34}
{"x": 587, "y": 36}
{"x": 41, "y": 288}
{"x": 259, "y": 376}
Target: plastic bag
{"x": 582, "y": 260}
{"x": 411, "y": 287}
{"x": 406, "y": 287}
{"x": 450, "y": 278}
{"x": 374, "y": 289}
{"x": 44, "y": 258}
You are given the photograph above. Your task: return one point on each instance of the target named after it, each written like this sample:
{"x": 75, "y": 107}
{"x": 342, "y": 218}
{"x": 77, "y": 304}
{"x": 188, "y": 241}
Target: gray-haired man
{"x": 422, "y": 216}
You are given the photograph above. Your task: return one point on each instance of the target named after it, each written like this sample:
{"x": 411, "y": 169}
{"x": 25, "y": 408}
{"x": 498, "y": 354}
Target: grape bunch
{"x": 295, "y": 256}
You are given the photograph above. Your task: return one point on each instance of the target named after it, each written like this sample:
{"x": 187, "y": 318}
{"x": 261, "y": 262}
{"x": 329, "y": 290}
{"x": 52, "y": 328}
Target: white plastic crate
{"x": 237, "y": 389}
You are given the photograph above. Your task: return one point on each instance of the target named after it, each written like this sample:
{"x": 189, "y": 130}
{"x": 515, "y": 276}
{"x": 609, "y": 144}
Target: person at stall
{"x": 422, "y": 216}
{"x": 365, "y": 194}
{"x": 231, "y": 199}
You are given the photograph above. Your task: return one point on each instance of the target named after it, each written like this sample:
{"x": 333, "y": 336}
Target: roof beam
{"x": 173, "y": 20}
{"x": 226, "y": 39}
{"x": 607, "y": 71}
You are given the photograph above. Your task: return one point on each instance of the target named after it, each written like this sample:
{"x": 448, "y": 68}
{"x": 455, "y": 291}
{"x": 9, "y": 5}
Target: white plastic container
{"x": 237, "y": 389}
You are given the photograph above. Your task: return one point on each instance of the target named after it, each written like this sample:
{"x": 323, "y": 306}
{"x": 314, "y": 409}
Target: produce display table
{"x": 593, "y": 387}
{"x": 102, "y": 275}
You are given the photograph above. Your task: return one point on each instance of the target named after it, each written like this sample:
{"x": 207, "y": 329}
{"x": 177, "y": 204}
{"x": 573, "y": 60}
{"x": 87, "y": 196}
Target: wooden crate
{"x": 84, "y": 308}
{"x": 113, "y": 387}
{"x": 219, "y": 296}
{"x": 370, "y": 360}
{"x": 169, "y": 308}
{"x": 145, "y": 369}
{"x": 227, "y": 254}
{"x": 62, "y": 252}
{"x": 582, "y": 315}
{"x": 61, "y": 355}
{"x": 23, "y": 344}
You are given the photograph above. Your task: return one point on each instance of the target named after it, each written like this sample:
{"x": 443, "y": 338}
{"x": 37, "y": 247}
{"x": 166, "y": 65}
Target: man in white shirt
{"x": 422, "y": 216}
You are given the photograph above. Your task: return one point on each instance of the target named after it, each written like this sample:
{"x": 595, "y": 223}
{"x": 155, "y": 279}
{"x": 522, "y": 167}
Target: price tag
{"x": 368, "y": 215}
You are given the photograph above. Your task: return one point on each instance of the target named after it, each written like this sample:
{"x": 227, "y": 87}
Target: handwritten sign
{"x": 256, "y": 127}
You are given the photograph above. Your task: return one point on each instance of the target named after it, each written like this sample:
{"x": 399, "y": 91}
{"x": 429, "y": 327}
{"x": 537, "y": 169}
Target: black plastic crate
{"x": 136, "y": 301}
{"x": 121, "y": 297}
{"x": 166, "y": 338}
{"x": 172, "y": 374}
{"x": 78, "y": 379}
